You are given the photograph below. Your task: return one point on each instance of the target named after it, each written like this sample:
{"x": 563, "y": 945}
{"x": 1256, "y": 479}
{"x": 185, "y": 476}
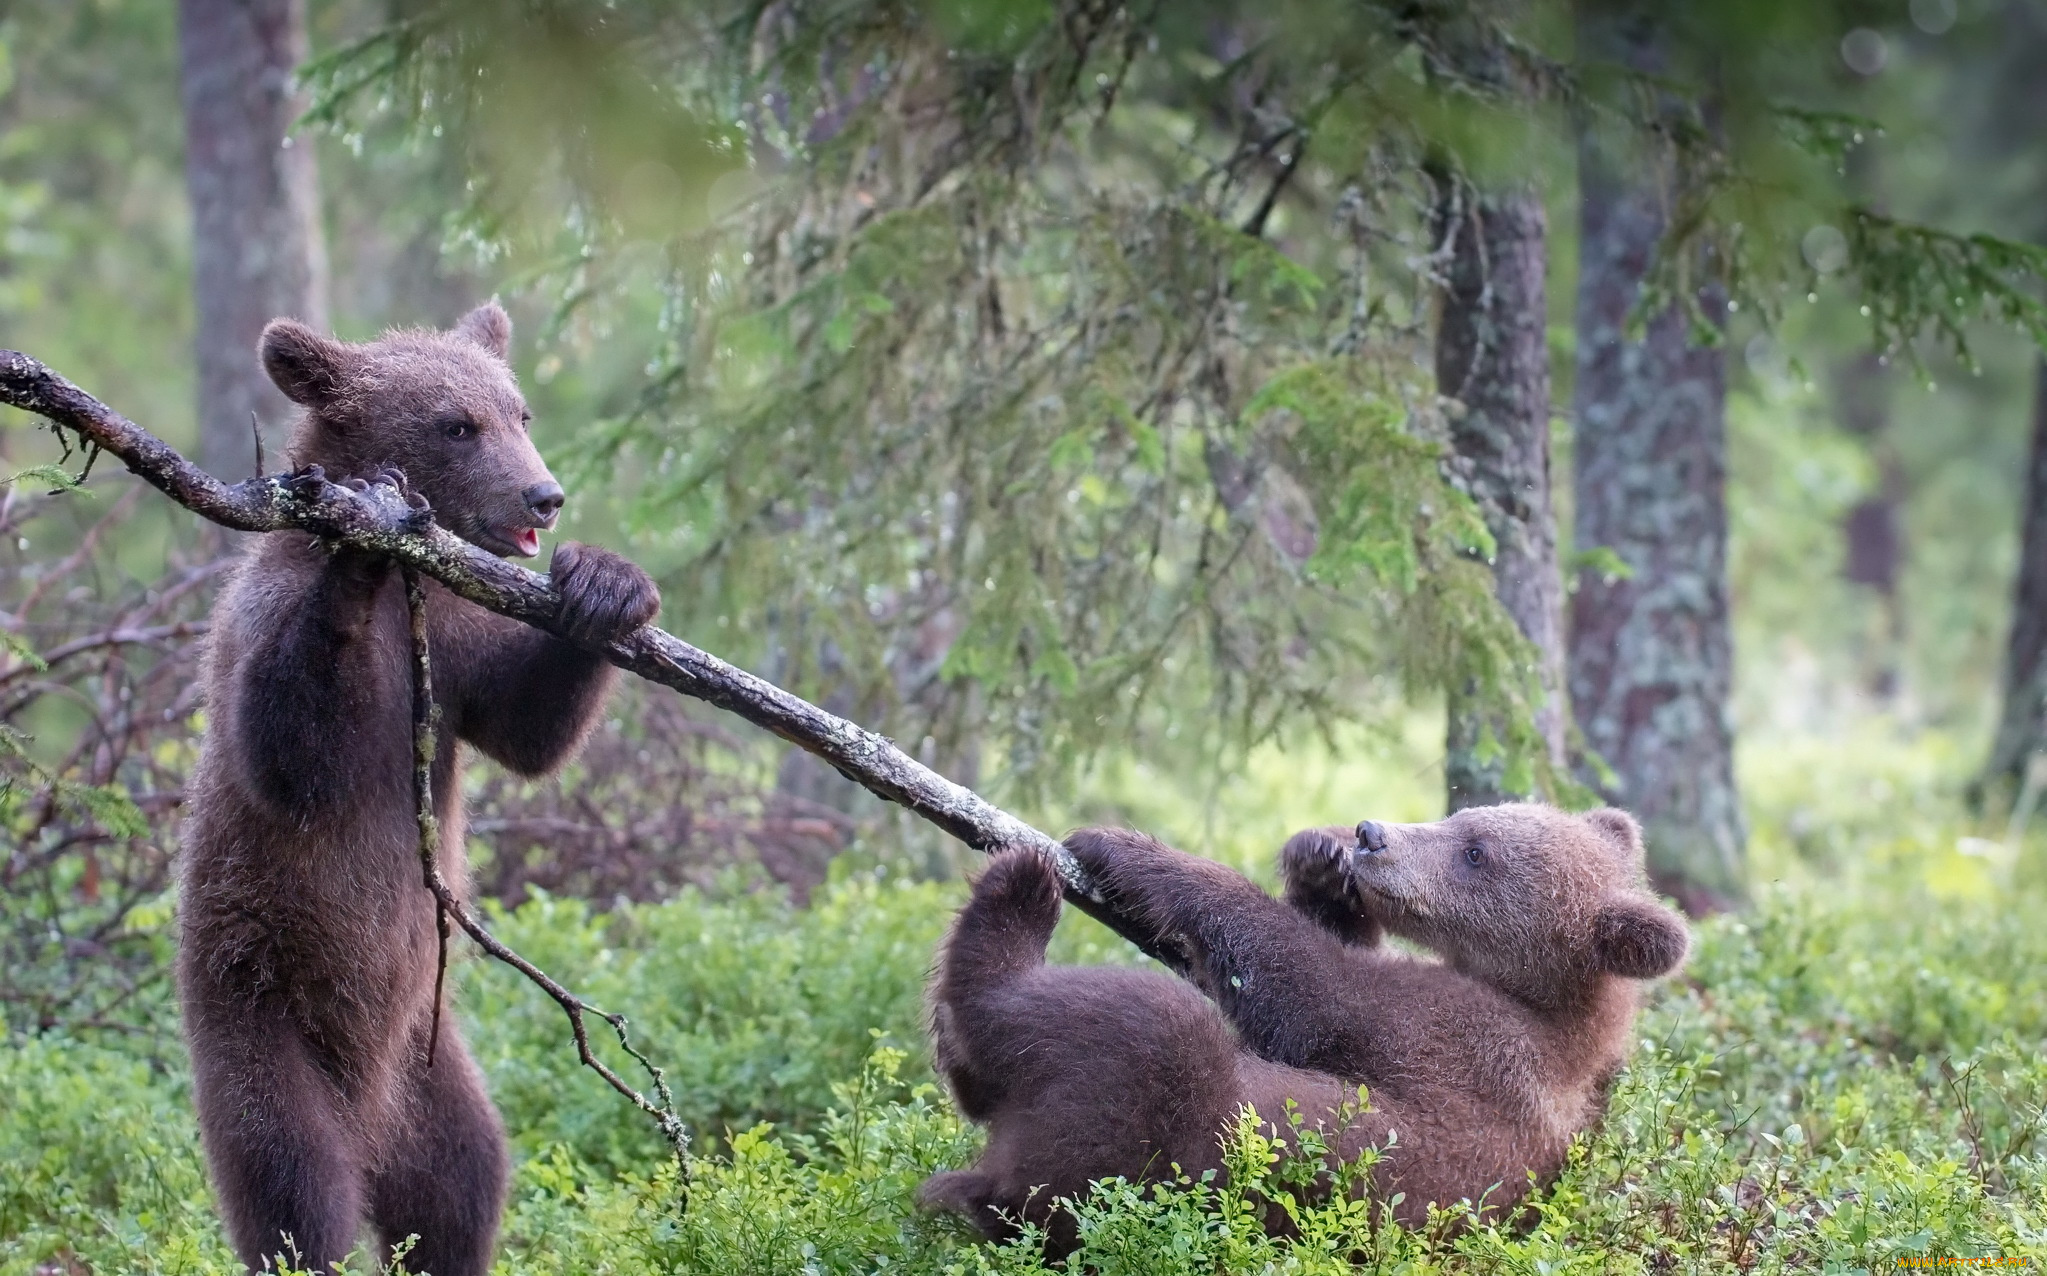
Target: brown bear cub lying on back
{"x": 1481, "y": 1065}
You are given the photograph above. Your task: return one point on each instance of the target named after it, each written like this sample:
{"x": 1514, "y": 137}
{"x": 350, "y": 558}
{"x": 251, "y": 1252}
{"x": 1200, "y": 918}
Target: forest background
{"x": 1062, "y": 390}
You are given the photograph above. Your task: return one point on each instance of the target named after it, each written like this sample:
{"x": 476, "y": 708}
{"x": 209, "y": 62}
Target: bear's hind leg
{"x": 970, "y": 1194}
{"x": 997, "y": 940}
{"x": 443, "y": 1175}
{"x": 998, "y": 1210}
{"x": 285, "y": 1163}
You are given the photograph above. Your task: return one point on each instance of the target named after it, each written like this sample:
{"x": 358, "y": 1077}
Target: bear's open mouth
{"x": 509, "y": 541}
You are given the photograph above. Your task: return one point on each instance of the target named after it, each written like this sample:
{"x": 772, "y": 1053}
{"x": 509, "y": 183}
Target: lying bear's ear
{"x": 488, "y": 326}
{"x": 309, "y": 368}
{"x": 1638, "y": 938}
{"x": 1618, "y": 827}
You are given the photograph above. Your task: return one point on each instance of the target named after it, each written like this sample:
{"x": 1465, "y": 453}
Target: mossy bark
{"x": 1651, "y": 655}
{"x": 1492, "y": 362}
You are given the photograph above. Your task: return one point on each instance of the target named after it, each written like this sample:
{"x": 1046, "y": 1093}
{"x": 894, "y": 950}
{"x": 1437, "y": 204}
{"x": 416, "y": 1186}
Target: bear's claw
{"x": 310, "y": 483}
{"x": 418, "y": 517}
{"x": 307, "y": 483}
{"x": 1316, "y": 862}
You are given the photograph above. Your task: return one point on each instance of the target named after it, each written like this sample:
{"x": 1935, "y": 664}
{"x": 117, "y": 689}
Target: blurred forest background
{"x": 1211, "y": 418}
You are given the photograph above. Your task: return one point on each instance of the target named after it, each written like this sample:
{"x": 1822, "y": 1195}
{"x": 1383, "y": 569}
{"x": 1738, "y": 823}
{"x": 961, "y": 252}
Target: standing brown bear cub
{"x": 308, "y": 947}
{"x": 1481, "y": 1066}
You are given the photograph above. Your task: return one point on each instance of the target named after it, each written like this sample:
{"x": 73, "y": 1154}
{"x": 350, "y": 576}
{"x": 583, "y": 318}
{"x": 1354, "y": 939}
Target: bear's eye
{"x": 1474, "y": 853}
{"x": 458, "y": 427}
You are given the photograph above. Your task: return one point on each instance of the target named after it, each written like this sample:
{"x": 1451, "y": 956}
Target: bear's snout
{"x": 544, "y": 501}
{"x": 1371, "y": 837}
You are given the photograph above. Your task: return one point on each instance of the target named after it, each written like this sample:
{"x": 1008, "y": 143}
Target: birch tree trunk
{"x": 1651, "y": 658}
{"x": 1492, "y": 358}
{"x": 257, "y": 251}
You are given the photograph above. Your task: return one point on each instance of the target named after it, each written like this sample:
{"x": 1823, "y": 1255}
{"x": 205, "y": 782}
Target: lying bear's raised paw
{"x": 1106, "y": 852}
{"x": 1317, "y": 861}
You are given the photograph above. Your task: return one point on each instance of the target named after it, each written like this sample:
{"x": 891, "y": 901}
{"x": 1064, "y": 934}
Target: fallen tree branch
{"x": 380, "y": 520}
{"x": 426, "y": 717}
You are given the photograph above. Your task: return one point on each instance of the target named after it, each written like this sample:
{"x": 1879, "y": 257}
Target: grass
{"x": 1848, "y": 1074}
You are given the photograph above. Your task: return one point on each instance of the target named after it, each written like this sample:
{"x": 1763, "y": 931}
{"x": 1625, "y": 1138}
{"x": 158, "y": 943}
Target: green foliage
{"x": 754, "y": 1011}
{"x": 968, "y": 405}
{"x": 1765, "y": 169}
{"x": 1752, "y": 244}
{"x": 1846, "y": 1074}
{"x": 1415, "y": 544}
{"x": 53, "y": 478}
{"x": 1921, "y": 280}
{"x": 101, "y": 1163}
{"x": 94, "y": 243}
{"x": 839, "y": 1200}
{"x": 952, "y": 328}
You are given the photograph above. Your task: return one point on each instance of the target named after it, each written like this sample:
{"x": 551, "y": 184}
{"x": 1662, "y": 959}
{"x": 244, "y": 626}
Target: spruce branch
{"x": 379, "y": 519}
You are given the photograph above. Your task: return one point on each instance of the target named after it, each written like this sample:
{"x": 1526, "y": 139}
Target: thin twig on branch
{"x": 426, "y": 716}
{"x": 380, "y": 520}
{"x": 426, "y": 723}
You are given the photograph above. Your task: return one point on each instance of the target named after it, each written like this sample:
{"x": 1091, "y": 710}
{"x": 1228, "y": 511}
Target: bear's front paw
{"x": 1097, "y": 850}
{"x": 306, "y": 484}
{"x": 1119, "y": 860}
{"x": 1316, "y": 862}
{"x": 388, "y": 491}
{"x": 394, "y": 478}
{"x": 604, "y": 596}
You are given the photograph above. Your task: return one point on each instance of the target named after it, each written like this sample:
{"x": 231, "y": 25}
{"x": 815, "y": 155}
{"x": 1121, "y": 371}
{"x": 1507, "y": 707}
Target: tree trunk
{"x": 1651, "y": 654}
{"x": 2022, "y": 727}
{"x": 1492, "y": 358}
{"x": 257, "y": 251}
{"x": 1873, "y": 532}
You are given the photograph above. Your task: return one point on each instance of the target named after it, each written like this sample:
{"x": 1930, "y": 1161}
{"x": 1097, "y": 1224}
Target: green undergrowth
{"x": 1849, "y": 1073}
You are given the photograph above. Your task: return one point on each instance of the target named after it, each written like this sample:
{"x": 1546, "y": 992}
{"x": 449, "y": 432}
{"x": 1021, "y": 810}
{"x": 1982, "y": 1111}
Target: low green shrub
{"x": 1844, "y": 1076}
{"x": 753, "y": 1009}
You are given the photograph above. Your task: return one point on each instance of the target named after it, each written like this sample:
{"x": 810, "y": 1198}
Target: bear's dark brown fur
{"x": 1481, "y": 1065}
{"x": 307, "y": 954}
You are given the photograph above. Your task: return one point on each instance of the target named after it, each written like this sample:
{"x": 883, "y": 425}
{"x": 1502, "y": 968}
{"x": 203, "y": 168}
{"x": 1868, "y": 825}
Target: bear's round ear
{"x": 1638, "y": 938}
{"x": 1616, "y": 826}
{"x": 309, "y": 368}
{"x": 488, "y": 326}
